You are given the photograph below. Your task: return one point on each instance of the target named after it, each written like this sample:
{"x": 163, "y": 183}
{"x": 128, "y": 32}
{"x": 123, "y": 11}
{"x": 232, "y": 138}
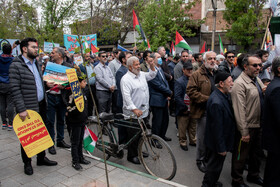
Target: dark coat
{"x": 120, "y": 73}
{"x": 159, "y": 90}
{"x": 165, "y": 69}
{"x": 23, "y": 85}
{"x": 271, "y": 125}
{"x": 220, "y": 123}
{"x": 5, "y": 62}
{"x": 224, "y": 67}
{"x": 179, "y": 94}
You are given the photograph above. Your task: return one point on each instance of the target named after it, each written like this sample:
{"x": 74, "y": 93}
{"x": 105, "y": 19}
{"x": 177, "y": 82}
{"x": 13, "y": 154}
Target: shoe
{"x": 77, "y": 166}
{"x": 134, "y": 160}
{"x": 218, "y": 184}
{"x": 145, "y": 155}
{"x": 46, "y": 162}
{"x": 10, "y": 127}
{"x": 236, "y": 184}
{"x": 192, "y": 144}
{"x": 167, "y": 139}
{"x": 4, "y": 126}
{"x": 52, "y": 150}
{"x": 62, "y": 144}
{"x": 156, "y": 144}
{"x": 201, "y": 166}
{"x": 84, "y": 161}
{"x": 255, "y": 180}
{"x": 184, "y": 147}
{"x": 28, "y": 170}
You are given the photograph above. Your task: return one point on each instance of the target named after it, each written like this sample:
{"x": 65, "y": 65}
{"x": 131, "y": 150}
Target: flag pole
{"x": 134, "y": 38}
{"x": 266, "y": 30}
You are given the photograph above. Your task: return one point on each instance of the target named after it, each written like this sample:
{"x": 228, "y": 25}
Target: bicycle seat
{"x": 92, "y": 119}
{"x": 106, "y": 116}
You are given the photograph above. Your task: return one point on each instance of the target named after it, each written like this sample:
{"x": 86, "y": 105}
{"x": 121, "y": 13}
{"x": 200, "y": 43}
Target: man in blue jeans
{"x": 56, "y": 107}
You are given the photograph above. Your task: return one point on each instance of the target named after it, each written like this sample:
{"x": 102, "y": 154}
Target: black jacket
{"x": 23, "y": 85}
{"x": 271, "y": 125}
{"x": 224, "y": 67}
{"x": 220, "y": 123}
{"x": 179, "y": 94}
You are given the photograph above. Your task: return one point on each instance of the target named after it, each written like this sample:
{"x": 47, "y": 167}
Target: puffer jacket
{"x": 23, "y": 86}
{"x": 246, "y": 103}
{"x": 199, "y": 90}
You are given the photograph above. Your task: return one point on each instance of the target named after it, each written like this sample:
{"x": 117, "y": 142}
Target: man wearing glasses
{"x": 247, "y": 99}
{"x": 105, "y": 84}
{"x": 227, "y": 65}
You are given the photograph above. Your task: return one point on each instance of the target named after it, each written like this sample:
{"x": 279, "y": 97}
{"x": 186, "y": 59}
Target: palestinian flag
{"x": 203, "y": 48}
{"x": 181, "y": 42}
{"x": 149, "y": 47}
{"x": 172, "y": 49}
{"x": 90, "y": 140}
{"x": 94, "y": 49}
{"x": 137, "y": 25}
{"x": 221, "y": 45}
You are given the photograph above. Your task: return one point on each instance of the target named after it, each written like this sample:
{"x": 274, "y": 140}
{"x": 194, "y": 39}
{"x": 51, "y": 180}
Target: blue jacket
{"x": 220, "y": 123}
{"x": 119, "y": 74}
{"x": 159, "y": 90}
{"x": 5, "y": 63}
{"x": 179, "y": 94}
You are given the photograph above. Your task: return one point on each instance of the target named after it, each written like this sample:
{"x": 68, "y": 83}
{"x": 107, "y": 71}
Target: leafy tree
{"x": 161, "y": 19}
{"x": 243, "y": 18}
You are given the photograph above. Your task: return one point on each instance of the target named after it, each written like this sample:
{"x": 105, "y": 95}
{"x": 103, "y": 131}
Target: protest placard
{"x": 48, "y": 46}
{"x": 55, "y": 73}
{"x": 71, "y": 42}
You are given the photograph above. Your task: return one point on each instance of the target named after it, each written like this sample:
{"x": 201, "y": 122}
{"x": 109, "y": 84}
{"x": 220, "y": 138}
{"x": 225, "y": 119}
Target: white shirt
{"x": 135, "y": 92}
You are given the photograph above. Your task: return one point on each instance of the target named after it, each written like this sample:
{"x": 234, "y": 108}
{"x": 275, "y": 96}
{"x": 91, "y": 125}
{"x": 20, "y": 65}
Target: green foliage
{"x": 244, "y": 25}
{"x": 161, "y": 19}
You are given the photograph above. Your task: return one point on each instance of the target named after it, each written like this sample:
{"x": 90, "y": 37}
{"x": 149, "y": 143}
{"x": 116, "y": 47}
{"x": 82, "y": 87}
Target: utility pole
{"x": 214, "y": 5}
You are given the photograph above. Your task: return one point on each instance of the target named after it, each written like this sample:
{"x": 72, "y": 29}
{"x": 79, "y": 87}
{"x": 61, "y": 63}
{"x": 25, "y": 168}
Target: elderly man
{"x": 56, "y": 106}
{"x": 105, "y": 84}
{"x": 163, "y": 64}
{"x": 220, "y": 128}
{"x": 199, "y": 88}
{"x": 271, "y": 128}
{"x": 27, "y": 90}
{"x": 135, "y": 93}
{"x": 247, "y": 99}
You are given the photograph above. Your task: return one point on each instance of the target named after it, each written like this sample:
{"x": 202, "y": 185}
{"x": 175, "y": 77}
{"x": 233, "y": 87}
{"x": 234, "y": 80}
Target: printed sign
{"x": 78, "y": 59}
{"x": 16, "y": 51}
{"x": 71, "y": 42}
{"x": 48, "y": 46}
{"x": 55, "y": 73}
{"x": 32, "y": 133}
{"x": 76, "y": 89}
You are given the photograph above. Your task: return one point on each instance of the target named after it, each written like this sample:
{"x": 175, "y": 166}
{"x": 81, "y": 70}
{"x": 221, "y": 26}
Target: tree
{"x": 161, "y": 19}
{"x": 244, "y": 18}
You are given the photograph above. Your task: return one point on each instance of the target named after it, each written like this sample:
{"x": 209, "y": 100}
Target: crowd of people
{"x": 221, "y": 103}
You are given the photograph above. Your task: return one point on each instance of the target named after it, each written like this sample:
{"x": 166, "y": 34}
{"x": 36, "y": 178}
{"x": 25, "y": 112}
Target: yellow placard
{"x": 32, "y": 133}
{"x": 76, "y": 89}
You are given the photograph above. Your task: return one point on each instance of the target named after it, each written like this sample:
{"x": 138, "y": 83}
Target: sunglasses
{"x": 230, "y": 57}
{"x": 104, "y": 56}
{"x": 256, "y": 65}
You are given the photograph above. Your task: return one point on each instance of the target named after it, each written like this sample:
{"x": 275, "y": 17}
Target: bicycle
{"x": 154, "y": 153}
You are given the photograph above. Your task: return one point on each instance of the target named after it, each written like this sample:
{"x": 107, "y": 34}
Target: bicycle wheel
{"x": 160, "y": 161}
{"x": 107, "y": 139}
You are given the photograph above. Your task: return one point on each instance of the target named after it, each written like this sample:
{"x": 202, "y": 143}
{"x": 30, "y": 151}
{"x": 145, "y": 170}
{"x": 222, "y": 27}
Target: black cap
{"x": 188, "y": 65}
{"x": 221, "y": 76}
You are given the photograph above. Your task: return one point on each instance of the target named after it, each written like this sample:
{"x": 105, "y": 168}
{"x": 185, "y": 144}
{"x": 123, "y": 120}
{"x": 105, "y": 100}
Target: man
{"x": 198, "y": 61}
{"x": 67, "y": 58}
{"x": 179, "y": 66}
{"x": 247, "y": 99}
{"x": 144, "y": 66}
{"x": 88, "y": 71}
{"x": 56, "y": 107}
{"x": 200, "y": 86}
{"x": 6, "y": 102}
{"x": 163, "y": 64}
{"x": 185, "y": 121}
{"x": 271, "y": 128}
{"x": 239, "y": 68}
{"x": 159, "y": 96}
{"x": 220, "y": 128}
{"x": 266, "y": 58}
{"x": 105, "y": 84}
{"x": 227, "y": 65}
{"x": 135, "y": 94}
{"x": 26, "y": 84}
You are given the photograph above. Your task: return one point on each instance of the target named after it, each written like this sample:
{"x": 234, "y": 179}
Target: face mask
{"x": 159, "y": 61}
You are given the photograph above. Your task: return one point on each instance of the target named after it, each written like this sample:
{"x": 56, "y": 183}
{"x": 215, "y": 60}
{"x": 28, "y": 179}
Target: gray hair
{"x": 205, "y": 54}
{"x": 159, "y": 48}
{"x": 131, "y": 60}
{"x": 153, "y": 55}
{"x": 61, "y": 51}
{"x": 219, "y": 57}
{"x": 275, "y": 66}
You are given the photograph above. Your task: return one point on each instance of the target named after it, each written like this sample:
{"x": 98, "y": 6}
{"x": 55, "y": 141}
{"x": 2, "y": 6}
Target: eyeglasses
{"x": 230, "y": 56}
{"x": 104, "y": 56}
{"x": 256, "y": 65}
{"x": 185, "y": 56}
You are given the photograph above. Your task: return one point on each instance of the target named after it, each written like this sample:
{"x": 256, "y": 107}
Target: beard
{"x": 31, "y": 55}
{"x": 136, "y": 71}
